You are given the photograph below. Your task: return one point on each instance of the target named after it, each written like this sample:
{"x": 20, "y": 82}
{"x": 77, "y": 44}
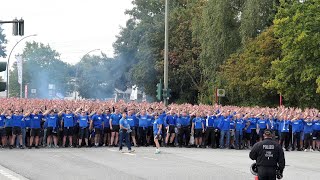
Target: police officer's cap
{"x": 267, "y": 132}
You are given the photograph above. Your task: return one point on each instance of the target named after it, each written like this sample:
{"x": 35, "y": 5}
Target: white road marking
{"x": 129, "y": 154}
{"x": 112, "y": 150}
{"x": 10, "y": 174}
{"x": 151, "y": 158}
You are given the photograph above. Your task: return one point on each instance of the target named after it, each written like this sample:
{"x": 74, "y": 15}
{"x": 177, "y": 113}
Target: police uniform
{"x": 268, "y": 155}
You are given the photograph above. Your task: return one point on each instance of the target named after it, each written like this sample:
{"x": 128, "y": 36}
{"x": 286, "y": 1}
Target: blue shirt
{"x": 2, "y": 119}
{"x": 156, "y": 125}
{"x": 68, "y": 120}
{"x": 171, "y": 120}
{"x": 217, "y": 121}
{"x": 36, "y": 120}
{"x": 272, "y": 124}
{"x": 184, "y": 121}
{"x": 83, "y": 121}
{"x": 210, "y": 121}
{"x": 150, "y": 121}
{"x": 240, "y": 124}
{"x": 198, "y": 121}
{"x": 225, "y": 124}
{"x": 143, "y": 121}
{"x": 16, "y": 120}
{"x": 52, "y": 120}
{"x": 284, "y": 126}
{"x": 97, "y": 120}
{"x": 8, "y": 121}
{"x": 123, "y": 122}
{"x": 253, "y": 123}
{"x": 262, "y": 123}
{"x": 131, "y": 120}
{"x": 106, "y": 120}
{"x": 27, "y": 121}
{"x": 316, "y": 125}
{"x": 308, "y": 127}
{"x": 297, "y": 126}
{"x": 115, "y": 118}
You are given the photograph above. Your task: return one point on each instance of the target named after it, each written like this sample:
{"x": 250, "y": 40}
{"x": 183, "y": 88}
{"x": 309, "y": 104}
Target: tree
{"x": 3, "y": 41}
{"x": 97, "y": 76}
{"x": 297, "y": 73}
{"x": 219, "y": 38}
{"x": 247, "y": 72}
{"x": 42, "y": 66}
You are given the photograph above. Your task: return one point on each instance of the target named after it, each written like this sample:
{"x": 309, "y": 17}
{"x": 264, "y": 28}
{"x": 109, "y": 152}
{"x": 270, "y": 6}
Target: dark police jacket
{"x": 268, "y": 153}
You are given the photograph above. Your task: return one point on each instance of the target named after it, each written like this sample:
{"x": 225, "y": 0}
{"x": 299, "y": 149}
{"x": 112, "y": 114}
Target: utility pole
{"x": 166, "y": 49}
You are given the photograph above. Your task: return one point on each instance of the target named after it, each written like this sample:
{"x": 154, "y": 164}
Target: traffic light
{"x": 18, "y": 27}
{"x": 21, "y": 27}
{"x": 3, "y": 67}
{"x": 159, "y": 91}
{"x": 169, "y": 93}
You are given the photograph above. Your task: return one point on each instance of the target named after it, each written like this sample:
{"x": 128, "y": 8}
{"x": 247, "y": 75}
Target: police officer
{"x": 269, "y": 156}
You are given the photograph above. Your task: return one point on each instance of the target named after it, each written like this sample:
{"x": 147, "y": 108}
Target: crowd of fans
{"x": 28, "y": 123}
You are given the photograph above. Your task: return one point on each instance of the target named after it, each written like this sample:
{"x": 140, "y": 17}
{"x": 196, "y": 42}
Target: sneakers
{"x": 131, "y": 151}
{"x": 311, "y": 150}
{"x": 120, "y": 150}
{"x": 306, "y": 150}
{"x": 157, "y": 151}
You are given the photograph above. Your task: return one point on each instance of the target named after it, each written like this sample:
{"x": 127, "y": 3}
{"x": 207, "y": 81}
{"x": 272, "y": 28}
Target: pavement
{"x": 171, "y": 163}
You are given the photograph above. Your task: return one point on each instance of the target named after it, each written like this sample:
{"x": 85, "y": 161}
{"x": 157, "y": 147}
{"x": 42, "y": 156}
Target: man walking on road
{"x": 269, "y": 156}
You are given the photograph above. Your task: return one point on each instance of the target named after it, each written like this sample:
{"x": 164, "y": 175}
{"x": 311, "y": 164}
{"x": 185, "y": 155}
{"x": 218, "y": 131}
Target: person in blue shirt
{"x": 2, "y": 129}
{"x": 143, "y": 127}
{"x": 240, "y": 125}
{"x": 124, "y": 132}
{"x": 262, "y": 124}
{"x": 253, "y": 127}
{"x": 114, "y": 127}
{"x": 8, "y": 125}
{"x": 131, "y": 118}
{"x": 27, "y": 121}
{"x": 284, "y": 129}
{"x": 197, "y": 129}
{"x": 316, "y": 133}
{"x": 184, "y": 129}
{"x": 157, "y": 131}
{"x": 83, "y": 120}
{"x": 23, "y": 132}
{"x": 308, "y": 130}
{"x": 68, "y": 122}
{"x": 17, "y": 118}
{"x": 171, "y": 120}
{"x": 209, "y": 130}
{"x": 96, "y": 123}
{"x": 297, "y": 127}
{"x": 216, "y": 123}
{"x": 36, "y": 119}
{"x": 225, "y": 131}
{"x": 107, "y": 131}
{"x": 150, "y": 125}
{"x": 52, "y": 121}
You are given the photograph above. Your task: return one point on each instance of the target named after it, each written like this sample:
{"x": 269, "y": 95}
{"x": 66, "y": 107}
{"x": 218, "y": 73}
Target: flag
{"x": 19, "y": 66}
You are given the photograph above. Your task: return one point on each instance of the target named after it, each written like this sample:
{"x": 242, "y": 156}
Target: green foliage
{"x": 245, "y": 73}
{"x": 3, "y": 41}
{"x": 96, "y": 76}
{"x": 297, "y": 73}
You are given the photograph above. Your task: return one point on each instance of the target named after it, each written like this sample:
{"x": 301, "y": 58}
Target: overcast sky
{"x": 72, "y": 27}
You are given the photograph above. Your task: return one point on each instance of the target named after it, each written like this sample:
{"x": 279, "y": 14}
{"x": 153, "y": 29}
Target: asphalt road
{"x": 172, "y": 163}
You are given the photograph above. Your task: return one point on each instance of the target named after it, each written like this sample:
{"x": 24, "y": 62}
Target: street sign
{"x": 221, "y": 93}
{"x": 33, "y": 91}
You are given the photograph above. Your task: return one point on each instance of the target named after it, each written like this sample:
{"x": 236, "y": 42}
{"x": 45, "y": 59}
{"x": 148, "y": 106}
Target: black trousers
{"x": 307, "y": 140}
{"x": 184, "y": 132}
{"x": 296, "y": 139}
{"x": 285, "y": 136}
{"x": 254, "y": 136}
{"x": 210, "y": 133}
{"x": 142, "y": 136}
{"x": 217, "y": 136}
{"x": 266, "y": 173}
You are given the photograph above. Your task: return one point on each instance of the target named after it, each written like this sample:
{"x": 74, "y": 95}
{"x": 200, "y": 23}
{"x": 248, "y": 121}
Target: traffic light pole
{"x": 166, "y": 48}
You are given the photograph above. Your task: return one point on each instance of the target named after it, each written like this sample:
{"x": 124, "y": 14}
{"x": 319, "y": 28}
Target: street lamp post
{"x": 8, "y": 83}
{"x": 77, "y": 68}
{"x": 166, "y": 49}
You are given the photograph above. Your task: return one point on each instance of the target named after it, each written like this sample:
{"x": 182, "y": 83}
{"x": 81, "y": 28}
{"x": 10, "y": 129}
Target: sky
{"x": 71, "y": 27}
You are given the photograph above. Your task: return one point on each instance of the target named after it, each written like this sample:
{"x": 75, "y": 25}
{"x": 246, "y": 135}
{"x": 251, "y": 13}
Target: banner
{"x": 19, "y": 66}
